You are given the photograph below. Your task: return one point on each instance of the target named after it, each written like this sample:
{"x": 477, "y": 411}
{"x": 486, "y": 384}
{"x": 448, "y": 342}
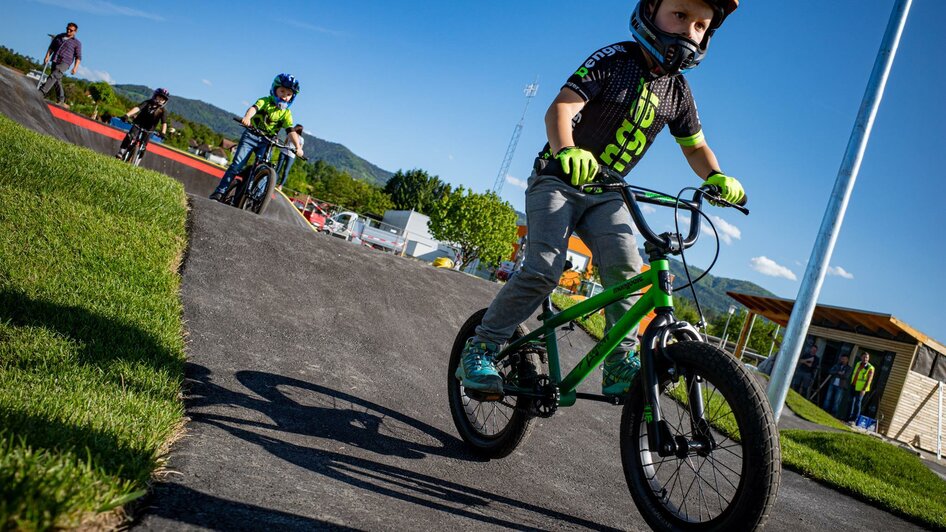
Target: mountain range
{"x": 221, "y": 121}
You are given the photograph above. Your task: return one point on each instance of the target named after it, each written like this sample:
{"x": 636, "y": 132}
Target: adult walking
{"x": 64, "y": 51}
{"x": 860, "y": 384}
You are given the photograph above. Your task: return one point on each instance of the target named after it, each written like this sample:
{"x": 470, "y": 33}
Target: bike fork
{"x": 659, "y": 435}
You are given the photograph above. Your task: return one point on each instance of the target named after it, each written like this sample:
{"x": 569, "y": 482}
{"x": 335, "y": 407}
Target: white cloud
{"x": 521, "y": 183}
{"x": 648, "y": 209}
{"x": 95, "y": 75}
{"x": 101, "y": 7}
{"x": 767, "y": 266}
{"x": 246, "y": 104}
{"x": 840, "y": 272}
{"x": 207, "y": 82}
{"x": 727, "y": 231}
{"x": 449, "y": 156}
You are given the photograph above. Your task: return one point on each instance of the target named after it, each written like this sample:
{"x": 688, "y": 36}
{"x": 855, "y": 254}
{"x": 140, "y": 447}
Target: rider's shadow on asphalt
{"x": 303, "y": 408}
{"x": 298, "y": 408}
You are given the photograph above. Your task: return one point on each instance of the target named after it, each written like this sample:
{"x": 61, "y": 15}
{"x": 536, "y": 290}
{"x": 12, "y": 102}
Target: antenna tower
{"x": 529, "y": 91}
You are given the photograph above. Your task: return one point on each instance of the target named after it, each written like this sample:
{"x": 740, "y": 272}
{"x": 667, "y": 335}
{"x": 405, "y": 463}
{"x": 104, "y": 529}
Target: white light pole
{"x": 810, "y": 288}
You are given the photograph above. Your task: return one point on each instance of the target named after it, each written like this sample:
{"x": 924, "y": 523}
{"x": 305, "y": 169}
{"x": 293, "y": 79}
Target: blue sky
{"x": 438, "y": 86}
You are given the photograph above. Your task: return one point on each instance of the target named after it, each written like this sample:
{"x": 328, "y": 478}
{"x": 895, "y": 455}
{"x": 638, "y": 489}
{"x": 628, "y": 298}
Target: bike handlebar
{"x": 633, "y": 196}
{"x": 272, "y": 139}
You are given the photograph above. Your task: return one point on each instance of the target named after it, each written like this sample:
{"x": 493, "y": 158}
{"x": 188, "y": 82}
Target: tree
{"x": 482, "y": 226}
{"x": 763, "y": 330}
{"x": 334, "y": 186}
{"x": 415, "y": 189}
{"x": 101, "y": 92}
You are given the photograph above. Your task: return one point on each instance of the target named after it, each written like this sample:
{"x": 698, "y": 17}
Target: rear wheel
{"x": 259, "y": 190}
{"x": 727, "y": 477}
{"x": 493, "y": 428}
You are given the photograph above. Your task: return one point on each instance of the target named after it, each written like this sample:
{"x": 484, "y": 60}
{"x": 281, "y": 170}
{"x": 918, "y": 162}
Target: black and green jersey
{"x": 626, "y": 107}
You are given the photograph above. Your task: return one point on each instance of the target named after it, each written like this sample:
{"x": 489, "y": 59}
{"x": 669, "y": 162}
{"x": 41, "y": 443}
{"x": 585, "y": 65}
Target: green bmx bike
{"x": 699, "y": 443}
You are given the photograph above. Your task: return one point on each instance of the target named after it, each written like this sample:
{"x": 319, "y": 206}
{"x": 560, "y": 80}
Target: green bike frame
{"x": 657, "y": 297}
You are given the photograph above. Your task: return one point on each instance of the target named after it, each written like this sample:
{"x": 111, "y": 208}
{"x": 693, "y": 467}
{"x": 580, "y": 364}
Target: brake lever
{"x": 712, "y": 194}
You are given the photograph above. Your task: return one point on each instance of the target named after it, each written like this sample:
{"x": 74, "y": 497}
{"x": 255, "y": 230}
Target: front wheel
{"x": 233, "y": 194}
{"x": 493, "y": 428}
{"x": 726, "y": 469}
{"x": 131, "y": 154}
{"x": 259, "y": 190}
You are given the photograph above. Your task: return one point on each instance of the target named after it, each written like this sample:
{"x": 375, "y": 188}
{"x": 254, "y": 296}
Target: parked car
{"x": 371, "y": 233}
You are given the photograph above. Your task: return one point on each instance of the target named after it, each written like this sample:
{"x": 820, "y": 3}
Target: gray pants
{"x": 55, "y": 78}
{"x": 555, "y": 210}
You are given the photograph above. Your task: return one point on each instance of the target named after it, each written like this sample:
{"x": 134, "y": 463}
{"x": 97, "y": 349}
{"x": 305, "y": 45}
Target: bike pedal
{"x": 483, "y": 397}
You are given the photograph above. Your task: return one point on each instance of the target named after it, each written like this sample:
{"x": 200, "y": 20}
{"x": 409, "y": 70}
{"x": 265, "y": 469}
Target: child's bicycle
{"x": 138, "y": 145}
{"x": 699, "y": 443}
{"x": 252, "y": 188}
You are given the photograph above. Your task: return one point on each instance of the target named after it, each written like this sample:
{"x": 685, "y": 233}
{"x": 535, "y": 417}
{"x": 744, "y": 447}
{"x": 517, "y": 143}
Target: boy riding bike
{"x": 269, "y": 114}
{"x": 606, "y": 115}
{"x": 146, "y": 115}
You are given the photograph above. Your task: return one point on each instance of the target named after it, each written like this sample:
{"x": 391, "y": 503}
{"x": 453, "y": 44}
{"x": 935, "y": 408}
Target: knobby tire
{"x": 732, "y": 487}
{"x": 492, "y": 428}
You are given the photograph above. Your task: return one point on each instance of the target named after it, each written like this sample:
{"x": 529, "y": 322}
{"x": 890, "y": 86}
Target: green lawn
{"x": 869, "y": 469}
{"x": 862, "y": 466}
{"x": 91, "y": 344}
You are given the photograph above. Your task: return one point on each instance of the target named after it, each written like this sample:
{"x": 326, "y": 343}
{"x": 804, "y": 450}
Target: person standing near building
{"x": 805, "y": 371}
{"x": 861, "y": 379}
{"x": 839, "y": 382}
{"x": 64, "y": 51}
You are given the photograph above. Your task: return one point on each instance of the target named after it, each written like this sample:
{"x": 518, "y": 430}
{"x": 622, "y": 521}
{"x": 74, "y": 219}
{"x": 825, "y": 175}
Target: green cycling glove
{"x": 580, "y": 164}
{"x": 731, "y": 188}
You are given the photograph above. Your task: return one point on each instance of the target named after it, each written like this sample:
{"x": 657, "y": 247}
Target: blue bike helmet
{"x": 288, "y": 81}
{"x": 675, "y": 53}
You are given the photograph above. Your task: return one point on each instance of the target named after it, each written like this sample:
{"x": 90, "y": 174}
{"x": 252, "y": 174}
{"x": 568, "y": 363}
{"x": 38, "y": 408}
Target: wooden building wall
{"x": 914, "y": 420}
{"x": 903, "y": 360}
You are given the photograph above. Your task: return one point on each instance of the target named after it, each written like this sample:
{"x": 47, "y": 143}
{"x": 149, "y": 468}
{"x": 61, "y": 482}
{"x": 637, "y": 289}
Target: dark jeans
{"x": 283, "y": 166}
{"x": 55, "y": 76}
{"x": 802, "y": 382}
{"x": 832, "y": 400}
{"x": 855, "y": 406}
{"x": 249, "y": 143}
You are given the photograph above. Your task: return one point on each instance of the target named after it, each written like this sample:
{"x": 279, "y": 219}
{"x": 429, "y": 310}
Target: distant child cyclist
{"x": 269, "y": 114}
{"x": 146, "y": 115}
{"x": 607, "y": 114}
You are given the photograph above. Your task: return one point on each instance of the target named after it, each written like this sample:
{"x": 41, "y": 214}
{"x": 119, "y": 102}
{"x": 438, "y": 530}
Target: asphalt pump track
{"x": 315, "y": 389}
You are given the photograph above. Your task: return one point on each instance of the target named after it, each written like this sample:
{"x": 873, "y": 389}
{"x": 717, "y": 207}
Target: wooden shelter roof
{"x": 858, "y": 321}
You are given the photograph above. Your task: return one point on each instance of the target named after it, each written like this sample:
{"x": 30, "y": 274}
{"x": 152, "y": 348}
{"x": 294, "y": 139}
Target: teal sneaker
{"x": 618, "y": 374}
{"x": 477, "y": 369}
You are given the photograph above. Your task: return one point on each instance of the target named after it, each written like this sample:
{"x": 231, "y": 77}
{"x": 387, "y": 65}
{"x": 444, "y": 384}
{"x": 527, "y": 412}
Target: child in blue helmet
{"x": 607, "y": 114}
{"x": 269, "y": 114}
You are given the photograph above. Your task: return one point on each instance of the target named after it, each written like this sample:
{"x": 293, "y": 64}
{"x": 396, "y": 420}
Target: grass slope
{"x": 91, "y": 345}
